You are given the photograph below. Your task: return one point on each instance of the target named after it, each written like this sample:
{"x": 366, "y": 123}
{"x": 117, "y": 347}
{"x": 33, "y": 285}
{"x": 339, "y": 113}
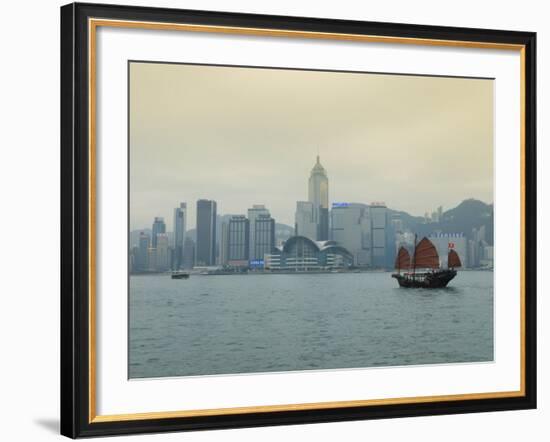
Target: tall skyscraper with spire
{"x": 318, "y": 196}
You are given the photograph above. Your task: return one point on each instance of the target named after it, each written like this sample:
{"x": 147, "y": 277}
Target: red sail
{"x": 425, "y": 255}
{"x": 403, "y": 260}
{"x": 453, "y": 260}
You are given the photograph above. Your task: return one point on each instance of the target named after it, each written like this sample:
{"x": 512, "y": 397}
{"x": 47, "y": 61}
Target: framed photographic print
{"x": 274, "y": 220}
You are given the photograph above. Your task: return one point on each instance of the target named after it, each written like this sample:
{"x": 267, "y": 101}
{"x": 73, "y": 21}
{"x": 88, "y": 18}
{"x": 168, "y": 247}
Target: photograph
{"x": 285, "y": 219}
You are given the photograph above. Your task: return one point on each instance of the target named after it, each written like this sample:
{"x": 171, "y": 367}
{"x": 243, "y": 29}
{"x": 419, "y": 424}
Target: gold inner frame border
{"x": 93, "y": 24}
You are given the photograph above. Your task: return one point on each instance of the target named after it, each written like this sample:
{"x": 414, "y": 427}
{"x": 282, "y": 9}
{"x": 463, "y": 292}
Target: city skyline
{"x": 192, "y": 226}
{"x": 341, "y": 236}
{"x": 364, "y": 126}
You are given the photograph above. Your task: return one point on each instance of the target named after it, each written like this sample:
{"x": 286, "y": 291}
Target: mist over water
{"x": 266, "y": 323}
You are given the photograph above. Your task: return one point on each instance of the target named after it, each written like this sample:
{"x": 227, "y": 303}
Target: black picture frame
{"x": 75, "y": 220}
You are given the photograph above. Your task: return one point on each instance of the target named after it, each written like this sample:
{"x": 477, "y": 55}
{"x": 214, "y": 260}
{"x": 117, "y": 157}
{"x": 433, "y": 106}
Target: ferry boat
{"x": 423, "y": 270}
{"x": 180, "y": 275}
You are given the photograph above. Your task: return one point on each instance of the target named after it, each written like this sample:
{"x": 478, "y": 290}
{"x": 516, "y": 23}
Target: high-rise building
{"x": 132, "y": 259}
{"x": 158, "y": 227}
{"x": 351, "y": 227}
{"x": 379, "y": 220}
{"x": 152, "y": 259}
{"x": 264, "y": 236}
{"x": 253, "y": 213}
{"x": 238, "y": 241}
{"x": 318, "y": 196}
{"x": 188, "y": 261}
{"x": 162, "y": 263}
{"x": 304, "y": 224}
{"x": 180, "y": 225}
{"x": 206, "y": 233}
{"x": 224, "y": 243}
{"x": 142, "y": 254}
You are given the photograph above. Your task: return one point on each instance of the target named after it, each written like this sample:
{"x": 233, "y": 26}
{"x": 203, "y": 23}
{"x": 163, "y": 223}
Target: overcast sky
{"x": 244, "y": 136}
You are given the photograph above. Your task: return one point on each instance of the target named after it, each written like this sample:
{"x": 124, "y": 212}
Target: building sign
{"x": 257, "y": 263}
{"x": 336, "y": 205}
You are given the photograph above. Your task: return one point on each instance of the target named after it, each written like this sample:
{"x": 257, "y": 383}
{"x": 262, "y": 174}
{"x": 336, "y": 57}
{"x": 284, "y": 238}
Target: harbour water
{"x": 265, "y": 323}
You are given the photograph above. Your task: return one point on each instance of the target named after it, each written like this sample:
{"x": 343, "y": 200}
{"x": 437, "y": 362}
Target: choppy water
{"x": 262, "y": 323}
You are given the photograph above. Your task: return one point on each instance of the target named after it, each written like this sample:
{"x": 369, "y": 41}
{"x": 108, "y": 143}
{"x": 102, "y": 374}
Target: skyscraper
{"x": 379, "y": 220}
{"x": 180, "y": 225}
{"x": 318, "y": 196}
{"x": 264, "y": 236}
{"x": 188, "y": 260}
{"x": 253, "y": 213}
{"x": 162, "y": 253}
{"x": 158, "y": 227}
{"x": 143, "y": 247}
{"x": 224, "y": 243}
{"x": 351, "y": 227}
{"x": 238, "y": 236}
{"x": 206, "y": 233}
{"x": 304, "y": 222}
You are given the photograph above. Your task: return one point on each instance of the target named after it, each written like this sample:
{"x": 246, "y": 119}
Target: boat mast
{"x": 398, "y": 263}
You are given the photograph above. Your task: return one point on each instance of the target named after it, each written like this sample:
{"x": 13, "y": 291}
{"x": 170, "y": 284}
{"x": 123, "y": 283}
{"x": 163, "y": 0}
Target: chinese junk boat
{"x": 426, "y": 259}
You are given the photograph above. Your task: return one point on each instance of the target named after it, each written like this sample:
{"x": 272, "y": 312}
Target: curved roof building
{"x": 300, "y": 253}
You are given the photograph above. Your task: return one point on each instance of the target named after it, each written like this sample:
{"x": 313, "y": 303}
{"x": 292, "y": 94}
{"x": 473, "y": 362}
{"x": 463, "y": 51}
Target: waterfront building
{"x": 188, "y": 253}
{"x": 159, "y": 226}
{"x": 238, "y": 241}
{"x": 221, "y": 238}
{"x": 264, "y": 237}
{"x": 151, "y": 259}
{"x": 224, "y": 242}
{"x": 476, "y": 246}
{"x": 351, "y": 228}
{"x": 132, "y": 259}
{"x": 253, "y": 213}
{"x": 487, "y": 256}
{"x": 142, "y": 253}
{"x": 318, "y": 196}
{"x": 180, "y": 225}
{"x": 473, "y": 258}
{"x": 206, "y": 233}
{"x": 304, "y": 223}
{"x": 162, "y": 258}
{"x": 444, "y": 242}
{"x": 379, "y": 220}
{"x": 301, "y": 254}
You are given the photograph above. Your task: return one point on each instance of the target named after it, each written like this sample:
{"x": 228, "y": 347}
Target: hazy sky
{"x": 244, "y": 136}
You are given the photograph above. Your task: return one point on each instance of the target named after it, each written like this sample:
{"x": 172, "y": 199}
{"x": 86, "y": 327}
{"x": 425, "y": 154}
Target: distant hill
{"x": 469, "y": 214}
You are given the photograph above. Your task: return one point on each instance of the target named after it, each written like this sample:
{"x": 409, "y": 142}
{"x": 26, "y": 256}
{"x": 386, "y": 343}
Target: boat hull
{"x": 180, "y": 275}
{"x": 431, "y": 280}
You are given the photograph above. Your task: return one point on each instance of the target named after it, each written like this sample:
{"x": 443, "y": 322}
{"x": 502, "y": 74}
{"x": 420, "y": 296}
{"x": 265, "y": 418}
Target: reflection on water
{"x": 262, "y": 323}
